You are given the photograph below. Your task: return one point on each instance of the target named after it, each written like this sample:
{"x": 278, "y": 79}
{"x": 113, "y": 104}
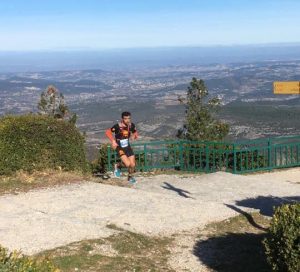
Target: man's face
{"x": 126, "y": 120}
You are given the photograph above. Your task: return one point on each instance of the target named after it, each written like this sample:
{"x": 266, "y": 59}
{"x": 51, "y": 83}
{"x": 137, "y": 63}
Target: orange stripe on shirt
{"x": 109, "y": 135}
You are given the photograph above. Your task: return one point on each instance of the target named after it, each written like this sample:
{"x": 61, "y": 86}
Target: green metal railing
{"x": 201, "y": 156}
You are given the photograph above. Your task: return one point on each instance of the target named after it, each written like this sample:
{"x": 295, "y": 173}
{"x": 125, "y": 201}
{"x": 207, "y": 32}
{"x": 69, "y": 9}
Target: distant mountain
{"x": 120, "y": 59}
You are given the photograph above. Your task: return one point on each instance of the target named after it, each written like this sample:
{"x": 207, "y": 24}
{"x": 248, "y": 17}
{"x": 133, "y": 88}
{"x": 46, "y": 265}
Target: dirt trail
{"x": 157, "y": 205}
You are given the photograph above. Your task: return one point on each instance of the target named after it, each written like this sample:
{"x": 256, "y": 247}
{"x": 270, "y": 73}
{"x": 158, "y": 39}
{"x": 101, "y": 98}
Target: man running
{"x": 120, "y": 142}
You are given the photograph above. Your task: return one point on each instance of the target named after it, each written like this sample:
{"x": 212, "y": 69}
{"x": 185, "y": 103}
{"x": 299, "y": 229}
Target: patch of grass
{"x": 234, "y": 244}
{"x": 133, "y": 243}
{"x": 12, "y": 261}
{"x": 238, "y": 224}
{"x": 124, "y": 251}
{"x": 23, "y": 181}
{"x": 86, "y": 247}
{"x": 114, "y": 227}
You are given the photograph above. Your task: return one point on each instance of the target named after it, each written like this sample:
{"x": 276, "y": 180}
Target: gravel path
{"x": 163, "y": 204}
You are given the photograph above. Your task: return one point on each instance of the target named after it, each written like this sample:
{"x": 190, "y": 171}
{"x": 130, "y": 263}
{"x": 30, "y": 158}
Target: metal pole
{"x": 234, "y": 159}
{"x": 269, "y": 154}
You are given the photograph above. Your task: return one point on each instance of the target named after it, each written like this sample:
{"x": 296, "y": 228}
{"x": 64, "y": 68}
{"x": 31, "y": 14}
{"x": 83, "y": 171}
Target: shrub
{"x": 283, "y": 242}
{"x": 100, "y": 165}
{"x": 15, "y": 262}
{"x": 247, "y": 160}
{"x": 34, "y": 142}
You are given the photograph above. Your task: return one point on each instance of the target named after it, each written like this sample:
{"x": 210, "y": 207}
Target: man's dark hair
{"x": 126, "y": 113}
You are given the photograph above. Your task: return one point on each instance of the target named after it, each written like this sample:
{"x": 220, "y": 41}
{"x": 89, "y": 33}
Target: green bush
{"x": 100, "y": 165}
{"x": 247, "y": 160}
{"x": 15, "y": 262}
{"x": 35, "y": 142}
{"x": 283, "y": 242}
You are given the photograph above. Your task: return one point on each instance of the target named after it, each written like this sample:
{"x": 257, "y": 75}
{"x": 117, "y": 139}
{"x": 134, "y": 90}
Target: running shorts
{"x": 124, "y": 151}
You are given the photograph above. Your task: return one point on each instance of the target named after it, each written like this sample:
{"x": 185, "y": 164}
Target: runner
{"x": 120, "y": 142}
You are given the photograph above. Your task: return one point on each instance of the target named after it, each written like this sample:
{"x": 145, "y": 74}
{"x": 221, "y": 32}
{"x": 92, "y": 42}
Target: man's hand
{"x": 114, "y": 145}
{"x": 134, "y": 136}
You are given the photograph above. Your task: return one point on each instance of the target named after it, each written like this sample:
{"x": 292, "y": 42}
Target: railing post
{"x": 145, "y": 157}
{"x": 297, "y": 155}
{"x": 109, "y": 157}
{"x": 234, "y": 159}
{"x": 181, "y": 162}
{"x": 206, "y": 157}
{"x": 269, "y": 154}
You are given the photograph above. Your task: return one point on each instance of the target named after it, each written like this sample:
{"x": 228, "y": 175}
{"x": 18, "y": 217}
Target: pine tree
{"x": 200, "y": 115}
{"x": 52, "y": 103}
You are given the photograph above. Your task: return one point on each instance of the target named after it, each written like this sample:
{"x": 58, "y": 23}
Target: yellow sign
{"x": 287, "y": 87}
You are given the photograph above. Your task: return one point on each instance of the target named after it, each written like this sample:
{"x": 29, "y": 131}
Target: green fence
{"x": 196, "y": 156}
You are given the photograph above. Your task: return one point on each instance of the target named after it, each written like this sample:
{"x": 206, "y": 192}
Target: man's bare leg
{"x": 125, "y": 160}
{"x": 131, "y": 168}
{"x": 129, "y": 163}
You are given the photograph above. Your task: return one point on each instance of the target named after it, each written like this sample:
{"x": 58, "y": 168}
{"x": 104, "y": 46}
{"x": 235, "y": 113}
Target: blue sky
{"x": 100, "y": 24}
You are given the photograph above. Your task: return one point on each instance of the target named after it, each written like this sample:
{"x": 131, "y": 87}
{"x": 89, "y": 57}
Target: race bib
{"x": 124, "y": 143}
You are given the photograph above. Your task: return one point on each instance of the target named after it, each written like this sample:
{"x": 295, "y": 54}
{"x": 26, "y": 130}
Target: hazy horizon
{"x": 91, "y": 49}
{"x": 118, "y": 59}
